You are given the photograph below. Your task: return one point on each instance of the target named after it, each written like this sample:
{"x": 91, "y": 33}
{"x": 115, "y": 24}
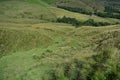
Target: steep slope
{"x": 19, "y": 9}
{"x": 51, "y": 2}
{"x": 89, "y": 5}
{"x": 40, "y": 2}
{"x": 84, "y": 4}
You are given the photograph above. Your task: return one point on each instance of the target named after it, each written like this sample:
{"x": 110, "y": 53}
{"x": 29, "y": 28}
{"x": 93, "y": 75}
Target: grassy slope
{"x": 18, "y": 11}
{"x": 56, "y": 34}
{"x": 51, "y": 2}
{"x": 40, "y": 2}
{"x": 68, "y": 43}
{"x": 84, "y": 4}
{"x": 81, "y": 17}
{"x": 89, "y": 5}
{"x": 34, "y": 45}
{"x": 23, "y": 14}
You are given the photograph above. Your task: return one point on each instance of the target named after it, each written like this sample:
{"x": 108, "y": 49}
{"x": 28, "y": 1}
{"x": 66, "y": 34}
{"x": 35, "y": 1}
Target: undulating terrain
{"x": 41, "y": 40}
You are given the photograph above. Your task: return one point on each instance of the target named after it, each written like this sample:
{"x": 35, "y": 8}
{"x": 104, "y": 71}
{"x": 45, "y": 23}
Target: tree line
{"x": 108, "y": 15}
{"x": 78, "y": 10}
{"x": 108, "y": 12}
{"x": 75, "y": 22}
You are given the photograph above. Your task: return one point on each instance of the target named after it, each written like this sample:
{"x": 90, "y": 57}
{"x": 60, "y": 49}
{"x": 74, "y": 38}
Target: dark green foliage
{"x": 78, "y": 10}
{"x": 111, "y": 9}
{"x": 67, "y": 69}
{"x": 75, "y": 22}
{"x": 54, "y": 75}
{"x": 102, "y": 57}
{"x": 108, "y": 13}
{"x": 91, "y": 22}
{"x": 69, "y": 20}
{"x": 102, "y": 67}
{"x": 73, "y": 70}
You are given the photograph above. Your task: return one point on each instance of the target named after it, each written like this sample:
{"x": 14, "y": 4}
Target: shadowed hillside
{"x": 102, "y": 8}
{"x": 89, "y": 5}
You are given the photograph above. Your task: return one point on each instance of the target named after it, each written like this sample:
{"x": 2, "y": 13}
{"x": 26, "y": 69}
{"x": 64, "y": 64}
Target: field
{"x": 35, "y": 47}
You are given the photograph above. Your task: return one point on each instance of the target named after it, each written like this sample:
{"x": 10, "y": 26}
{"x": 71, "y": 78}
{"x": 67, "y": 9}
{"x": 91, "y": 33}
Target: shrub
{"x": 69, "y": 20}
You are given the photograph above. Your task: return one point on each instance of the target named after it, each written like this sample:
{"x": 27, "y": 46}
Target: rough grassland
{"x": 66, "y": 43}
{"x": 34, "y": 47}
{"x": 24, "y": 11}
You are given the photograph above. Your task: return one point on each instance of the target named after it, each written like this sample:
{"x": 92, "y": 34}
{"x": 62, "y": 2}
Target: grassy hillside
{"x": 67, "y": 44}
{"x": 19, "y": 11}
{"x": 84, "y": 4}
{"x": 102, "y": 8}
{"x": 35, "y": 47}
{"x": 51, "y": 2}
{"x": 40, "y": 2}
{"x": 89, "y": 5}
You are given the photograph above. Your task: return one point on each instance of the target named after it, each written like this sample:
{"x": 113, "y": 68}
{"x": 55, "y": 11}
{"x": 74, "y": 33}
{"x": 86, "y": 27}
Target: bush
{"x": 69, "y": 20}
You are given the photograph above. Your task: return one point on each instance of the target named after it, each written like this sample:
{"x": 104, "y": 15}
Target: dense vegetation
{"x": 109, "y": 12}
{"x": 111, "y": 9}
{"x": 102, "y": 69}
{"x": 87, "y": 5}
{"x": 79, "y": 10}
{"x": 74, "y": 22}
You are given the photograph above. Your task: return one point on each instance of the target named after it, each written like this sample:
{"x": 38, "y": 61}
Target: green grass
{"x": 40, "y": 2}
{"x": 51, "y": 2}
{"x": 34, "y": 48}
{"x": 80, "y": 17}
{"x": 88, "y": 5}
{"x": 23, "y": 12}
{"x": 68, "y": 43}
